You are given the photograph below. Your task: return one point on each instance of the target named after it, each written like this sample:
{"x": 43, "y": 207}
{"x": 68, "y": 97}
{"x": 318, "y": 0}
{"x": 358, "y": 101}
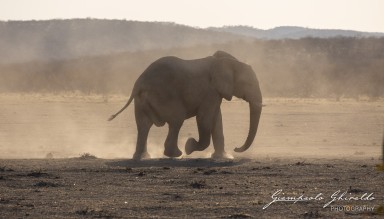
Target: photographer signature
{"x": 278, "y": 196}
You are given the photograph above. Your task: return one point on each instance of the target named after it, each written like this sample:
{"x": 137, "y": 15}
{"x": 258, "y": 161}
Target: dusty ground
{"x": 304, "y": 147}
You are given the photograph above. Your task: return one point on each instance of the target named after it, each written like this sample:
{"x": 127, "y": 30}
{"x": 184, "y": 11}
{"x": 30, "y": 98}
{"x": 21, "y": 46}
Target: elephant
{"x": 172, "y": 90}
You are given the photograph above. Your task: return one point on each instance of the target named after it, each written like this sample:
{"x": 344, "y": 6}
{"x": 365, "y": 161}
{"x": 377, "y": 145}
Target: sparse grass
{"x": 380, "y": 167}
{"x": 37, "y": 174}
{"x": 46, "y": 184}
{"x": 95, "y": 213}
{"x": 380, "y": 210}
{"x": 87, "y": 156}
{"x": 4, "y": 169}
{"x": 198, "y": 184}
{"x": 239, "y": 215}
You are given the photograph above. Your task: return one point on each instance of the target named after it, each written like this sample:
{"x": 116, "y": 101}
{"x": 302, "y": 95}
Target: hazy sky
{"x": 363, "y": 15}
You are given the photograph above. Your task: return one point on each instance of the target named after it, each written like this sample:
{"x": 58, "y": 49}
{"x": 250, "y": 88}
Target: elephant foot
{"x": 173, "y": 152}
{"x": 221, "y": 156}
{"x": 190, "y": 146}
{"x": 141, "y": 156}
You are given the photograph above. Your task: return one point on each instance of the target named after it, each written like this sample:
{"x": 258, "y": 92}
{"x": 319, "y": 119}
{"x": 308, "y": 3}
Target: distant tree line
{"x": 308, "y": 67}
{"x": 63, "y": 39}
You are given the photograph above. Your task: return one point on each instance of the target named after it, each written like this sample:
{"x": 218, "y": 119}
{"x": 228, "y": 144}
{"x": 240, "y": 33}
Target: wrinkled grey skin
{"x": 172, "y": 90}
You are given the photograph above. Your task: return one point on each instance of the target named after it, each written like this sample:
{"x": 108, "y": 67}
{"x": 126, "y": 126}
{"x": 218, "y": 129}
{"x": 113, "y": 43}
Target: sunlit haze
{"x": 264, "y": 14}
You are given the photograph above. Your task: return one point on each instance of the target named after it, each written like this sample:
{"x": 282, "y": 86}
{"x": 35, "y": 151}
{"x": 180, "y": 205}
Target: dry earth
{"x": 308, "y": 148}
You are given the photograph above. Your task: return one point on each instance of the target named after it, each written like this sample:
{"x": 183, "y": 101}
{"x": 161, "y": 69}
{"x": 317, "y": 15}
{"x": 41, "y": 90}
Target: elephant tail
{"x": 122, "y": 109}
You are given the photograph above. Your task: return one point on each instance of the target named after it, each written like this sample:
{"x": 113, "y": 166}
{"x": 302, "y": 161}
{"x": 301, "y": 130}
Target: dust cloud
{"x": 305, "y": 68}
{"x": 323, "y": 97}
{"x": 69, "y": 125}
{"x": 72, "y": 124}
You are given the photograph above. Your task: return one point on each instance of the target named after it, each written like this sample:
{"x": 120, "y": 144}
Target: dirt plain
{"x": 308, "y": 148}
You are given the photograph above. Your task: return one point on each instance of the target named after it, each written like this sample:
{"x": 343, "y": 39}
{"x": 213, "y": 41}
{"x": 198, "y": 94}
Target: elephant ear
{"x": 222, "y": 78}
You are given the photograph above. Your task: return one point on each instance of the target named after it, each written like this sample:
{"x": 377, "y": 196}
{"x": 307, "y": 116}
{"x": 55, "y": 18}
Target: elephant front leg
{"x": 171, "y": 148}
{"x": 205, "y": 120}
{"x": 205, "y": 128}
{"x": 218, "y": 139}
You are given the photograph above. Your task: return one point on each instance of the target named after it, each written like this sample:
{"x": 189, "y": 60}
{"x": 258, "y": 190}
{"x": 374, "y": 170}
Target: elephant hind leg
{"x": 141, "y": 144}
{"x": 144, "y": 124}
{"x": 152, "y": 113}
{"x": 171, "y": 148}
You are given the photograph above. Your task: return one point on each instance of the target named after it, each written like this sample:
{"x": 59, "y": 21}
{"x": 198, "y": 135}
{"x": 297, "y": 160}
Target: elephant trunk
{"x": 255, "y": 111}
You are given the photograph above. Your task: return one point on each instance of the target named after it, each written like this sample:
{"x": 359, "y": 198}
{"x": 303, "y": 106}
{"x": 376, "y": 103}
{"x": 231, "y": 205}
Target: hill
{"x": 287, "y": 32}
{"x": 22, "y": 41}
